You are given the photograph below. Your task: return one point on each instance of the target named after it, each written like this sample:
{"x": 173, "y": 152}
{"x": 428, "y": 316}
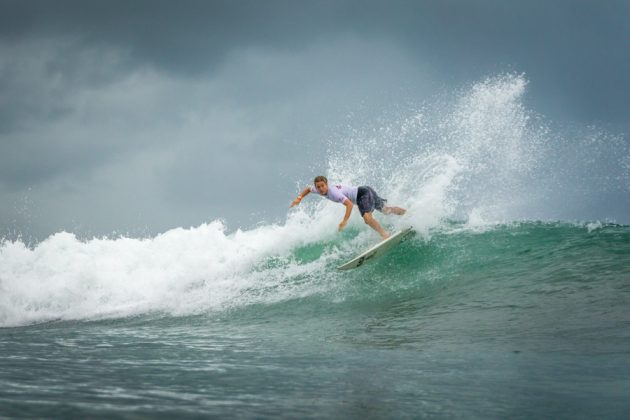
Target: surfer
{"x": 364, "y": 197}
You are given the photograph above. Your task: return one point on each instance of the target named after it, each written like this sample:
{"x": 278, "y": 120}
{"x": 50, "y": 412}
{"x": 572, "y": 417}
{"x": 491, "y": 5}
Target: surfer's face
{"x": 321, "y": 187}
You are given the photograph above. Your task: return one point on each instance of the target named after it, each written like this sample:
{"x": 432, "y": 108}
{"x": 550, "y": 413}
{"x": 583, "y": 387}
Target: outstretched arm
{"x": 299, "y": 198}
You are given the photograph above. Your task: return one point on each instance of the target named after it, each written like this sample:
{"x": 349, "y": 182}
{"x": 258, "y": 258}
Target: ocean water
{"x": 490, "y": 310}
{"x": 525, "y": 320}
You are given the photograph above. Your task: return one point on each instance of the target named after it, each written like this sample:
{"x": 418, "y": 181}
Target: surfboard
{"x": 377, "y": 250}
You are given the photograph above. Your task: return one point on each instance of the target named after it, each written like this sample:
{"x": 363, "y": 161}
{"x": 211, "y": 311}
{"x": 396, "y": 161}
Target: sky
{"x": 122, "y": 117}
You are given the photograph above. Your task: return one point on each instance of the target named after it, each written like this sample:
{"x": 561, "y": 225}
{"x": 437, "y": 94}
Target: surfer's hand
{"x": 341, "y": 226}
{"x": 296, "y": 202}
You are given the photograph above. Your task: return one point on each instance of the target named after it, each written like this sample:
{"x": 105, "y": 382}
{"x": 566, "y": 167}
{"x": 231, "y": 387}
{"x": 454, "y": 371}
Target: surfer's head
{"x": 321, "y": 184}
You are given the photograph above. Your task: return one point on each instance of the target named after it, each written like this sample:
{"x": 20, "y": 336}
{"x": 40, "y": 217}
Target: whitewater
{"x": 498, "y": 307}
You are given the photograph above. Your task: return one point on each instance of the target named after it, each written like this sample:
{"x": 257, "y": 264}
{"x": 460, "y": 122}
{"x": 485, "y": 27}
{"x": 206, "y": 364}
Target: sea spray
{"x": 503, "y": 161}
{"x": 476, "y": 151}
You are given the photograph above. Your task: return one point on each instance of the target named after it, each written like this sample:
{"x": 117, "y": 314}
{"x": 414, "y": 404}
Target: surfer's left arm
{"x": 349, "y": 206}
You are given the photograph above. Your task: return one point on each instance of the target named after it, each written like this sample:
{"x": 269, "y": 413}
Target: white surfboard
{"x": 377, "y": 250}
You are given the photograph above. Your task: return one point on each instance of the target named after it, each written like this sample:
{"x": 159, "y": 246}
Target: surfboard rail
{"x": 377, "y": 250}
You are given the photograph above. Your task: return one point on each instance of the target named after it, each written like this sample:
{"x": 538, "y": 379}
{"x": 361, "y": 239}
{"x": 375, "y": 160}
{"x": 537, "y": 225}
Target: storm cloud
{"x": 141, "y": 116}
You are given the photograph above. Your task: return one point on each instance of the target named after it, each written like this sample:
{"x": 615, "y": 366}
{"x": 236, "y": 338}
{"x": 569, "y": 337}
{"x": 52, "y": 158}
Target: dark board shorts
{"x": 368, "y": 200}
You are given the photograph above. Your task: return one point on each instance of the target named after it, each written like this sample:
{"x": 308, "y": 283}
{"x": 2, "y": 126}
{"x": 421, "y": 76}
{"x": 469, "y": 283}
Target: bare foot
{"x": 396, "y": 210}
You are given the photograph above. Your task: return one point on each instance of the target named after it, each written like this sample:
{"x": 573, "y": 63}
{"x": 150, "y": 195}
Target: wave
{"x": 483, "y": 158}
{"x": 204, "y": 270}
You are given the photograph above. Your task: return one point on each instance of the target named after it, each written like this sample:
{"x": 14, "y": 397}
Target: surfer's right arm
{"x": 299, "y": 198}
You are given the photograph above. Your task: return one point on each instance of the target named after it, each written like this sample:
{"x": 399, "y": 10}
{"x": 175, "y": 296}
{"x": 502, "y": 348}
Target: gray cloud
{"x": 150, "y": 149}
{"x": 115, "y": 115}
{"x": 576, "y": 50}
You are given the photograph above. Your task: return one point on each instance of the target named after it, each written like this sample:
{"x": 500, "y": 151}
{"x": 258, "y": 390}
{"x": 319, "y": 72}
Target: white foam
{"x": 180, "y": 271}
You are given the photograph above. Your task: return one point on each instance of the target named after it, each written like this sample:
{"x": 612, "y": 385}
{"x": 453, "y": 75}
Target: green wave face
{"x": 515, "y": 265}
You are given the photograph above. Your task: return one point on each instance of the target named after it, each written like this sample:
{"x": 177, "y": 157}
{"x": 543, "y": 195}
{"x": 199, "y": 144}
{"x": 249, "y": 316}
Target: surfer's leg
{"x": 366, "y": 201}
{"x": 374, "y": 224}
{"x": 394, "y": 210}
{"x": 379, "y": 204}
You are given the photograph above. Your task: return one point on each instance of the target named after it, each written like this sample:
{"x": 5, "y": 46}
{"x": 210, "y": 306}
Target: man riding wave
{"x": 364, "y": 197}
